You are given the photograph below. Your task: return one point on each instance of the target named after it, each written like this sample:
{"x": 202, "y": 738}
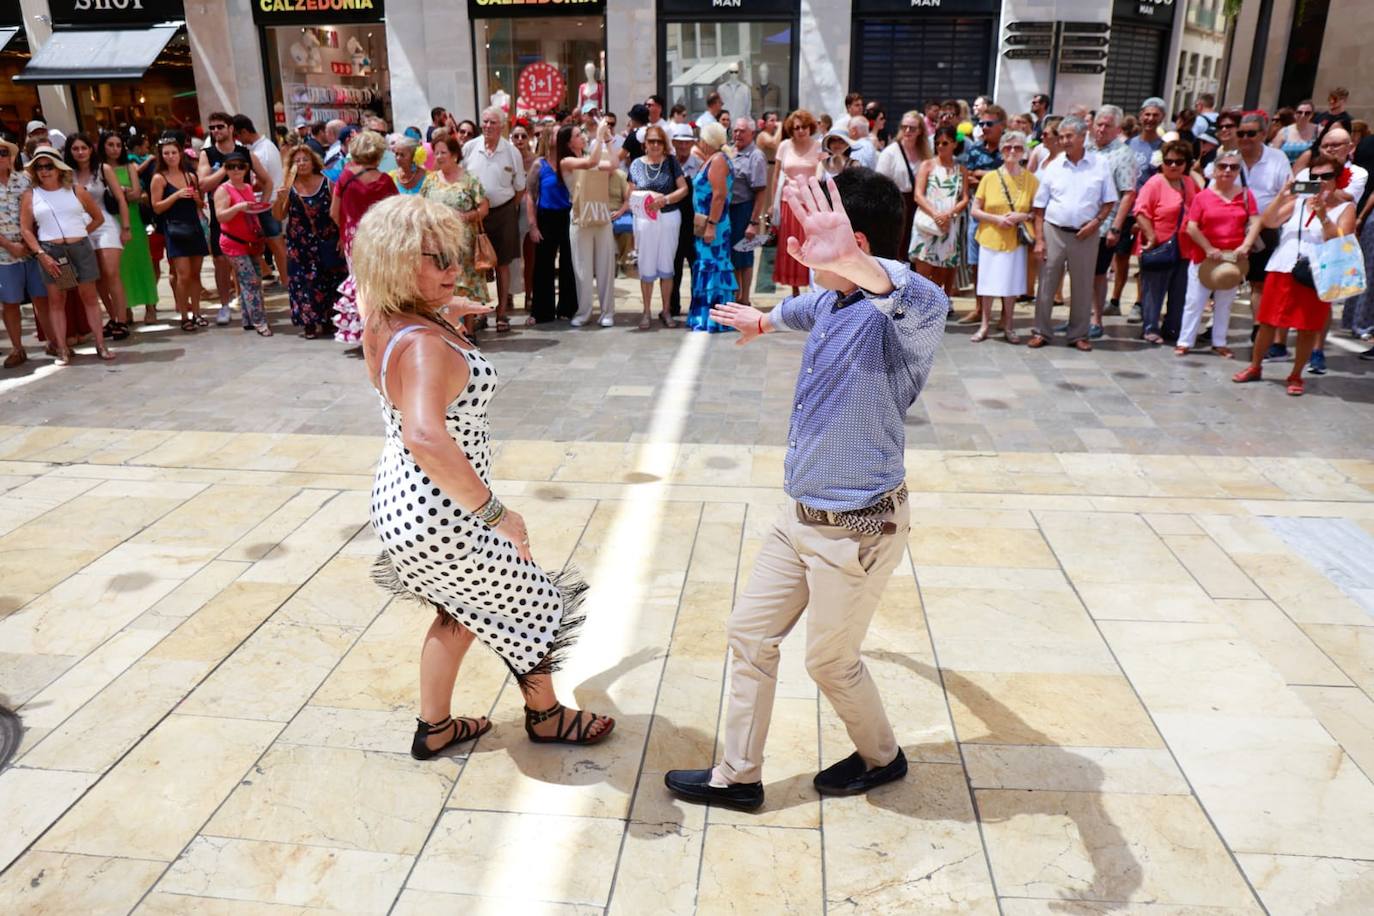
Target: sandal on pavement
{"x": 104, "y": 353}
{"x": 200, "y": 321}
{"x": 1295, "y": 386}
{"x": 16, "y": 358}
{"x": 1224, "y": 352}
{"x": 574, "y": 730}
{"x": 1181, "y": 351}
{"x": 1037, "y": 341}
{"x": 1083, "y": 345}
{"x": 188, "y": 324}
{"x": 1010, "y": 336}
{"x": 979, "y": 336}
{"x": 1153, "y": 338}
{"x": 502, "y": 325}
{"x": 645, "y": 323}
{"x": 667, "y": 320}
{"x": 64, "y": 358}
{"x": 1248, "y": 374}
{"x": 263, "y": 330}
{"x": 464, "y": 729}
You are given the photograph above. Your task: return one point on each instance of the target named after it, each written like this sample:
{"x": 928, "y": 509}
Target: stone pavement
{"x": 1132, "y": 665}
{"x": 598, "y": 384}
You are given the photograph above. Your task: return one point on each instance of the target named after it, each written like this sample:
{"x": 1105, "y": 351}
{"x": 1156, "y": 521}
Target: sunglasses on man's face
{"x": 1304, "y": 111}
{"x": 1323, "y": 176}
{"x": 1247, "y": 133}
{"x": 440, "y": 258}
{"x": 1333, "y": 146}
{"x": 986, "y": 124}
{"x": 218, "y": 126}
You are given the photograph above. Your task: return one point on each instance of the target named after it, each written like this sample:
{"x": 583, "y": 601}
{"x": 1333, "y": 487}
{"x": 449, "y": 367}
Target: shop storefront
{"x": 747, "y": 52}
{"x": 18, "y": 102}
{"x": 1138, "y": 52}
{"x": 126, "y": 63}
{"x": 536, "y": 59}
{"x": 325, "y": 60}
{"x": 905, "y": 53}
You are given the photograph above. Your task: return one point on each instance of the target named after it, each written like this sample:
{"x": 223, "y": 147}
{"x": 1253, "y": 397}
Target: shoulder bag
{"x": 923, "y": 222}
{"x": 1024, "y": 236}
{"x": 1165, "y": 255}
{"x": 1302, "y": 267}
{"x": 483, "y": 251}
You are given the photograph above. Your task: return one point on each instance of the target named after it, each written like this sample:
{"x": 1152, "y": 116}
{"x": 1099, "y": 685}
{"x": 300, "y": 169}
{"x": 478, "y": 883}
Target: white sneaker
{"x": 222, "y": 319}
{"x": 577, "y": 322}
{"x": 608, "y": 321}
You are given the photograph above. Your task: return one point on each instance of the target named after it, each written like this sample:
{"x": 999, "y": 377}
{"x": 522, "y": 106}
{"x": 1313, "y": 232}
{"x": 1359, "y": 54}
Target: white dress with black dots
{"x": 441, "y": 554}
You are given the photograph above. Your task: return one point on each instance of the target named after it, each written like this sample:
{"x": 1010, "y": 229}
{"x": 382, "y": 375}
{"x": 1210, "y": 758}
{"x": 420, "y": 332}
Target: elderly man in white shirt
{"x": 497, "y": 164}
{"x": 861, "y": 148}
{"x": 1076, "y": 193}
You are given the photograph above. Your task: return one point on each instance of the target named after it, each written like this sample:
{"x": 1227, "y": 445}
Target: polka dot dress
{"x": 439, "y": 553}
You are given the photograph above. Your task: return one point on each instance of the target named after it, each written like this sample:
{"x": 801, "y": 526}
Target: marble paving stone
{"x": 1303, "y": 592}
{"x": 657, "y": 870}
{"x": 27, "y": 573}
{"x": 1315, "y": 800}
{"x": 30, "y": 800}
{"x": 99, "y": 733}
{"x": 929, "y": 818}
{"x": 291, "y": 796}
{"x": 273, "y": 673}
{"x": 909, "y": 685}
{"x": 192, "y": 594}
{"x": 427, "y": 903}
{"x": 301, "y": 553}
{"x": 257, "y": 542}
{"x": 1306, "y": 886}
{"x": 1081, "y": 769}
{"x": 105, "y": 603}
{"x": 1026, "y": 906}
{"x": 225, "y": 621}
{"x": 1218, "y": 575}
{"x": 1165, "y": 523}
{"x": 1047, "y": 709}
{"x": 384, "y": 731}
{"x": 988, "y": 576}
{"x": 216, "y": 517}
{"x": 760, "y": 869}
{"x": 1163, "y": 601}
{"x": 161, "y": 903}
{"x": 485, "y": 853}
{"x": 153, "y": 802}
{"x": 341, "y": 594}
{"x": 1347, "y": 713}
{"x": 1352, "y": 648}
{"x": 58, "y": 884}
{"x": 1002, "y": 547}
{"x": 1282, "y": 643}
{"x": 25, "y": 674}
{"x": 792, "y": 762}
{"x": 160, "y": 561}
{"x": 280, "y": 873}
{"x": 1107, "y": 847}
{"x": 84, "y": 680}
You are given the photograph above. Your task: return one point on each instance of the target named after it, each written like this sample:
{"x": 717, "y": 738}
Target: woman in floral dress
{"x": 941, "y": 197}
{"x": 315, "y": 262}
{"x": 450, "y": 184}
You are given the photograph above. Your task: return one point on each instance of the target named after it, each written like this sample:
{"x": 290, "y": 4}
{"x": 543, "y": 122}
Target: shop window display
{"x": 748, "y": 63}
{"x": 540, "y": 66}
{"x": 329, "y": 73}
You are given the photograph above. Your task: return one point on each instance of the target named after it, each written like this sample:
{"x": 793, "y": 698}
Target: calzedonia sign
{"x": 308, "y": 13}
{"x": 509, "y": 9}
{"x": 98, "y": 13}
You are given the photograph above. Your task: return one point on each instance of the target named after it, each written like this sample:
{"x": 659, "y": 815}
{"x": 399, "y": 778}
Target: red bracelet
{"x": 760, "y": 325}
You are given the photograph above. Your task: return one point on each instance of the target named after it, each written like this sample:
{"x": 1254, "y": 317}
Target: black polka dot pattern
{"x": 438, "y": 553}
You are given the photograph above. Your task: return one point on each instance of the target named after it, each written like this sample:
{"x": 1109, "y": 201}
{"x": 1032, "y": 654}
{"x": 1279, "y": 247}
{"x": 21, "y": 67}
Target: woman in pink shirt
{"x": 1159, "y": 212}
{"x": 1223, "y": 223}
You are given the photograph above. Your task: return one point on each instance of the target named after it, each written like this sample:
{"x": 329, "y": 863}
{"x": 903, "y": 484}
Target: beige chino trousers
{"x": 837, "y": 575}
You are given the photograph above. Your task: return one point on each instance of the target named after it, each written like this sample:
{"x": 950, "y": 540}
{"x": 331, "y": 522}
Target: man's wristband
{"x": 760, "y": 325}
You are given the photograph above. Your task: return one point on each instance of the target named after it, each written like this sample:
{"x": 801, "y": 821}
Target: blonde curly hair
{"x": 389, "y": 244}
{"x": 366, "y": 148}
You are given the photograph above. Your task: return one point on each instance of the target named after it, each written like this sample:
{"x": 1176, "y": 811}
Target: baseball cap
{"x": 33, "y": 126}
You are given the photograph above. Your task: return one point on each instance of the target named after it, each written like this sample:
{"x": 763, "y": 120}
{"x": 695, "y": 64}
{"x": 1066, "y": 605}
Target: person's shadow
{"x": 1116, "y": 875}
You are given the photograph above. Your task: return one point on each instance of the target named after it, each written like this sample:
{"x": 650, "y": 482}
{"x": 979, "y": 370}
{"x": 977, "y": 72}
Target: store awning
{"x": 706, "y": 72}
{"x": 98, "y": 56}
{"x": 7, "y": 34}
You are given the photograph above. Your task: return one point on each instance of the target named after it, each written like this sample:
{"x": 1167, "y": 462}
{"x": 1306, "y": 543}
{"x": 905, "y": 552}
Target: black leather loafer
{"x": 851, "y": 776}
{"x": 695, "y": 785}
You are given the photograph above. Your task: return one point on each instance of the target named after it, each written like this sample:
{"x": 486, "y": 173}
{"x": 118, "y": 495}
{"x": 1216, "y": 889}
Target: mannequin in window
{"x": 767, "y": 96}
{"x": 500, "y": 98}
{"x": 589, "y": 91}
{"x": 734, "y": 94}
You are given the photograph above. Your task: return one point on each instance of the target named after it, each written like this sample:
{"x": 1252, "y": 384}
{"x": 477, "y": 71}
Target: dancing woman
{"x": 448, "y": 540}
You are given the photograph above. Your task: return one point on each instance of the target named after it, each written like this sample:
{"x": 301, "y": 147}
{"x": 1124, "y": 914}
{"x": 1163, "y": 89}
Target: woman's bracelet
{"x": 491, "y": 512}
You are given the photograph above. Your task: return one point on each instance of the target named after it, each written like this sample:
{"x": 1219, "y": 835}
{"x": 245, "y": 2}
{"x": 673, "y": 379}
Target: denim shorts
{"x": 271, "y": 226}
{"x": 21, "y": 281}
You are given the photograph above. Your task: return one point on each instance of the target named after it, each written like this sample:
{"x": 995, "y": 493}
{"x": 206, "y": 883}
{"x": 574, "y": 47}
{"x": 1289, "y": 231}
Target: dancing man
{"x": 872, "y": 333}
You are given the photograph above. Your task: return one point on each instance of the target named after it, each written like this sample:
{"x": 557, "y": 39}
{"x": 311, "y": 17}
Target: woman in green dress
{"x": 451, "y": 184}
{"x": 136, "y": 263}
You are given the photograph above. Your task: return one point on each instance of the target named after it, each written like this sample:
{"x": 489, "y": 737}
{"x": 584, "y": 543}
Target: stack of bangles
{"x": 491, "y": 512}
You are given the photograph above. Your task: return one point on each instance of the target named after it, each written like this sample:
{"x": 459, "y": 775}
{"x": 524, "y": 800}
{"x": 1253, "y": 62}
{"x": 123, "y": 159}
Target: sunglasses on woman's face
{"x": 1226, "y": 126}
{"x": 1176, "y": 162}
{"x": 43, "y": 166}
{"x": 1323, "y": 176}
{"x": 440, "y": 258}
{"x": 653, "y": 142}
{"x": 1015, "y": 148}
{"x": 1305, "y": 111}
{"x": 519, "y": 137}
{"x": 1227, "y": 167}
{"x": 236, "y": 167}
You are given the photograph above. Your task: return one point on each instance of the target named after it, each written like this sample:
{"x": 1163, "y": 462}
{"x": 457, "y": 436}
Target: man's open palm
{"x": 830, "y": 240}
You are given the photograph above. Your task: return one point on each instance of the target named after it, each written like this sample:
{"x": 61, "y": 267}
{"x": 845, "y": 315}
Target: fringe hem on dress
{"x": 572, "y": 589}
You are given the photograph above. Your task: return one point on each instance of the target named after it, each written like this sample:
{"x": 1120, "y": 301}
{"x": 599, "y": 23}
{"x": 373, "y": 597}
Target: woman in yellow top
{"x": 1002, "y": 207}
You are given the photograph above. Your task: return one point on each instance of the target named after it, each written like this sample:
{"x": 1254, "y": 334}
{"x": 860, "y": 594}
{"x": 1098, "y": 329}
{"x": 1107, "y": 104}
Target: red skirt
{"x": 1289, "y": 304}
{"x": 787, "y": 270}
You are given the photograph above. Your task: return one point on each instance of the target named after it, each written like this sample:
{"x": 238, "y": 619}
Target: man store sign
{"x": 95, "y": 13}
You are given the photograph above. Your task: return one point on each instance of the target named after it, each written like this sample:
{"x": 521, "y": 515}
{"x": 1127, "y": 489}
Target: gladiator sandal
{"x": 464, "y": 729}
{"x": 575, "y": 729}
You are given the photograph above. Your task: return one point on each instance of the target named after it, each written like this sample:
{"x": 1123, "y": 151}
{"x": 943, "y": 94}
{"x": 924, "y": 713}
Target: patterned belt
{"x": 867, "y": 520}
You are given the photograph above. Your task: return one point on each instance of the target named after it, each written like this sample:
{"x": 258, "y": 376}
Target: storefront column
{"x": 226, "y": 59}
{"x": 631, "y": 56}
{"x": 430, "y": 54}
{"x": 59, "y": 108}
{"x": 823, "y": 70}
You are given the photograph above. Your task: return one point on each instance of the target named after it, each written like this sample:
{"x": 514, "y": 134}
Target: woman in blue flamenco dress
{"x": 713, "y": 274}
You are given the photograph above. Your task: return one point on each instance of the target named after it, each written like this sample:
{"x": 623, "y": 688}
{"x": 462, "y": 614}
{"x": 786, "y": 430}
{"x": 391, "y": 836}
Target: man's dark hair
{"x": 874, "y": 206}
{"x": 220, "y": 117}
{"x": 318, "y": 128}
{"x": 1207, "y": 99}
{"x": 678, "y": 109}
{"x": 1042, "y": 98}
{"x": 657, "y": 100}
{"x": 436, "y": 111}
{"x": 243, "y": 123}
{"x": 639, "y": 114}
{"x": 713, "y": 99}
{"x": 853, "y": 97}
